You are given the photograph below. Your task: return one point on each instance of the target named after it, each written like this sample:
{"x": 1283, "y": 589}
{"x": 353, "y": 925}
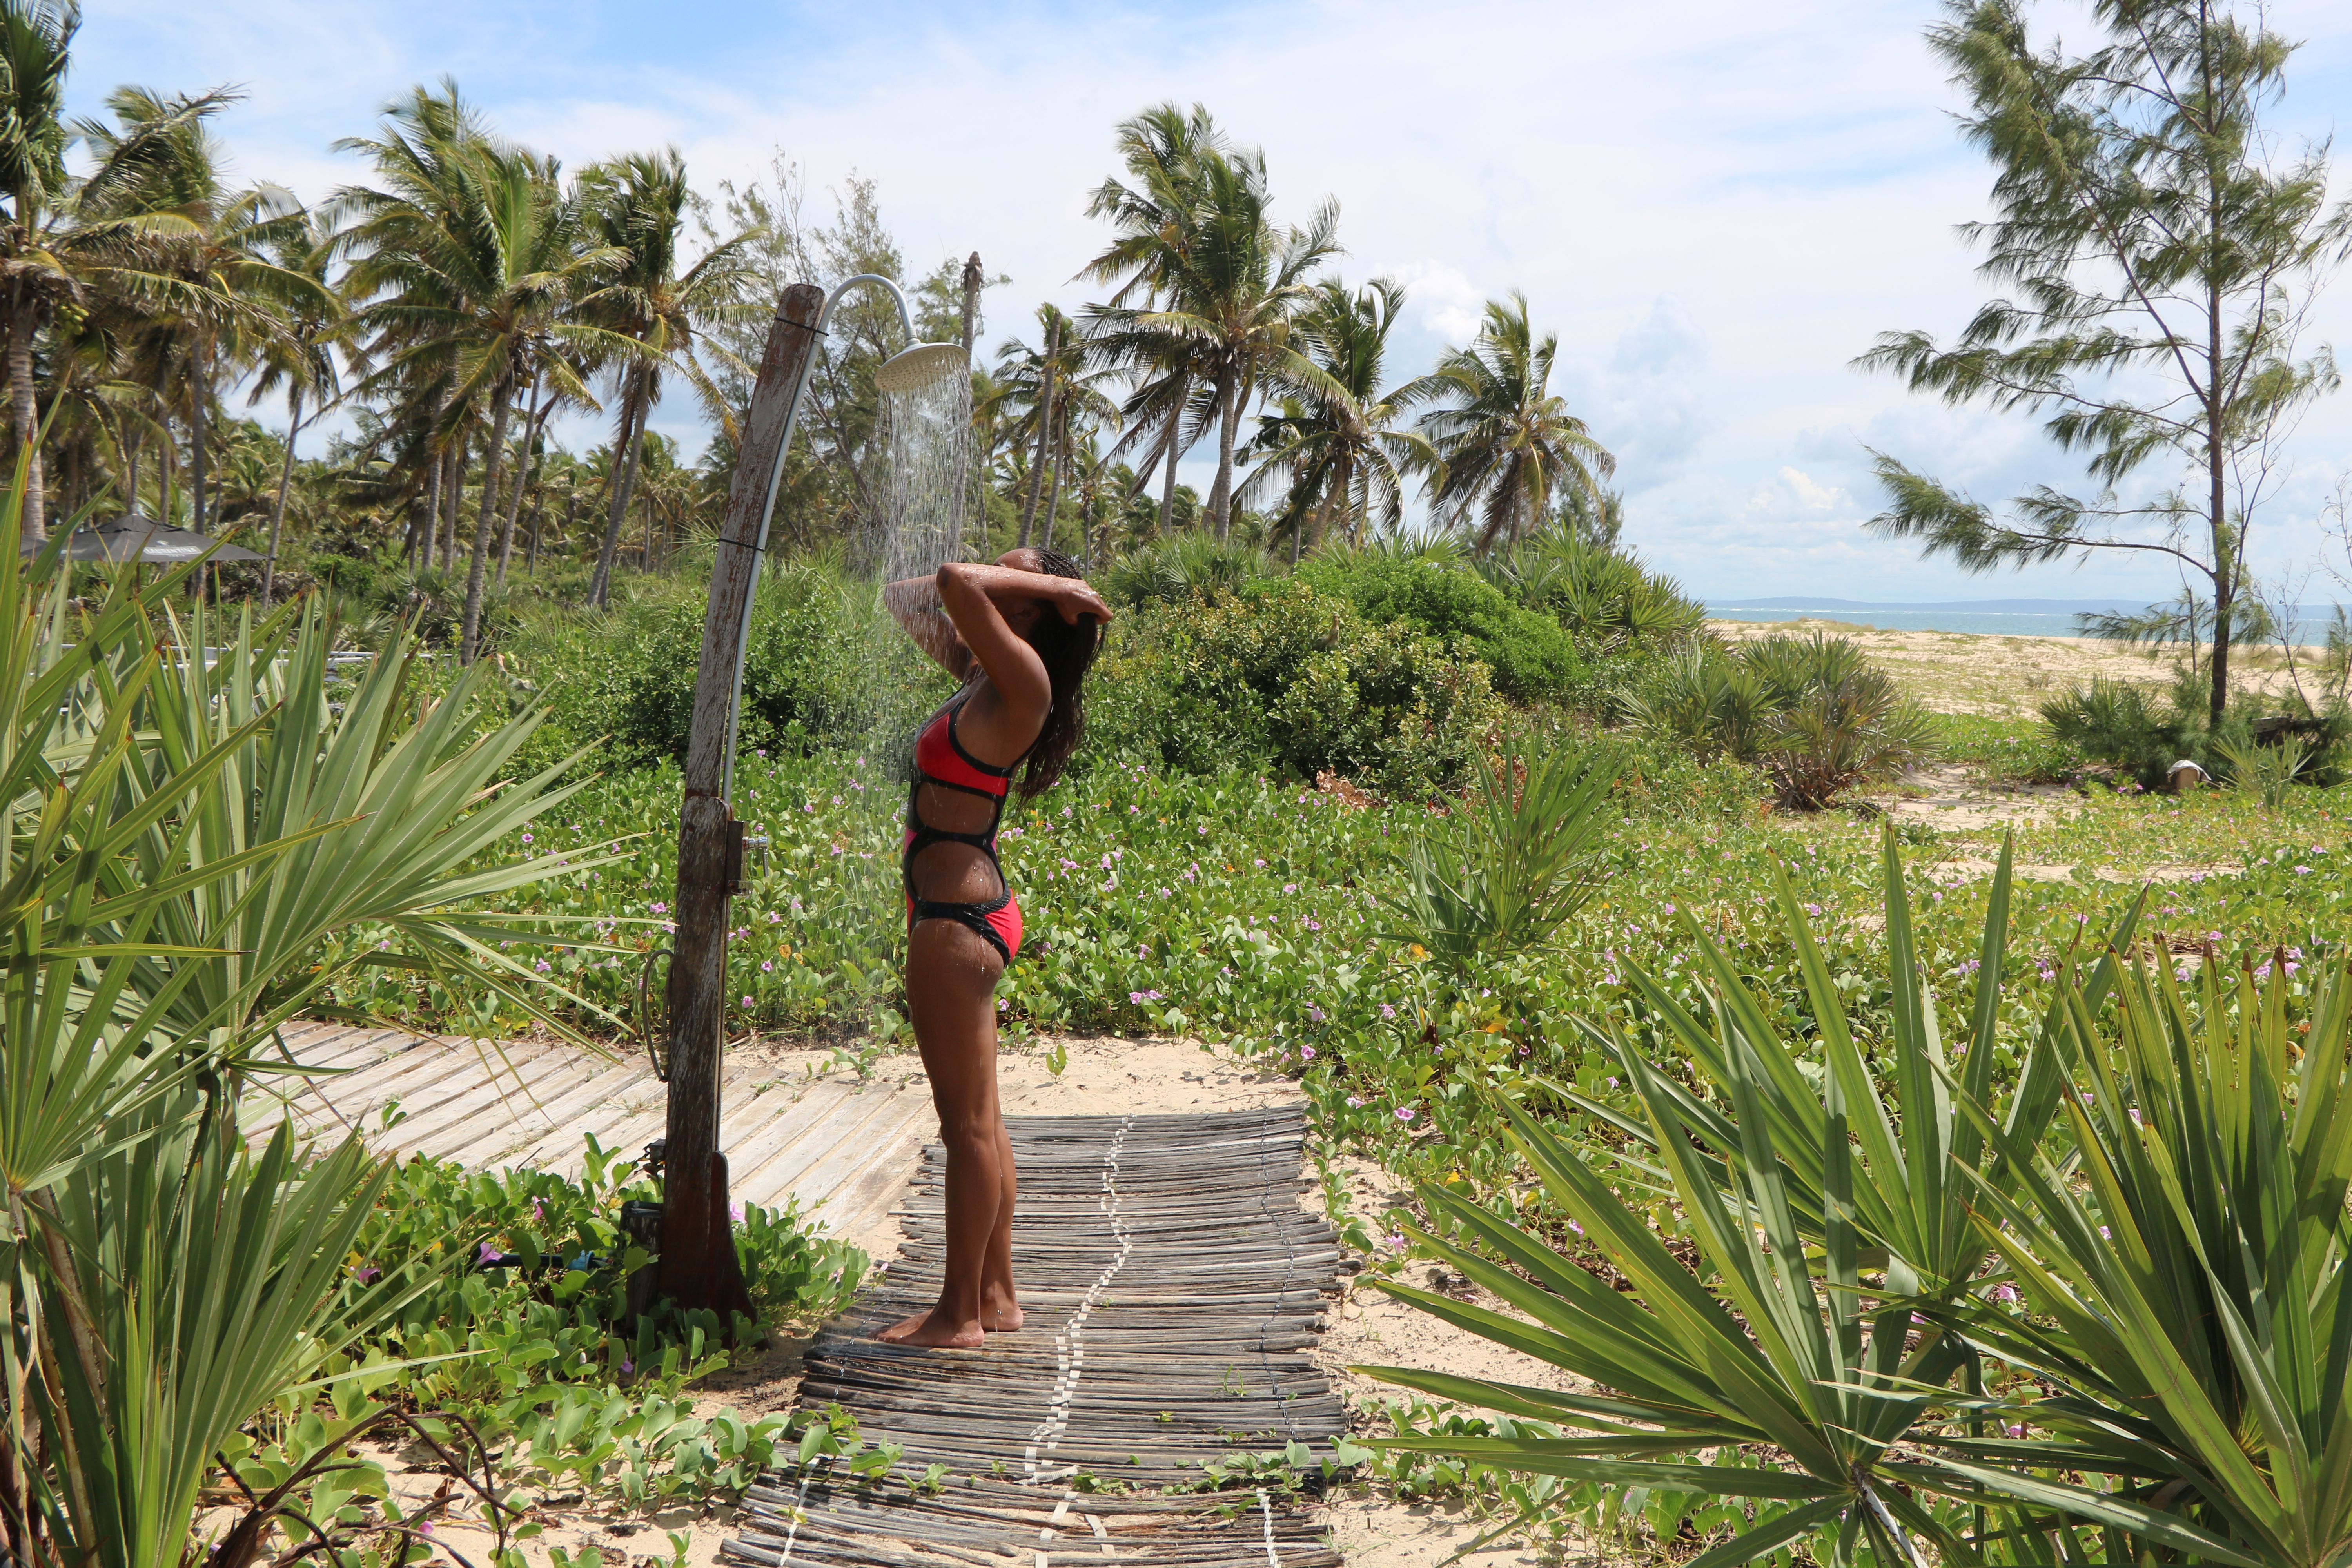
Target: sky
{"x": 1714, "y": 206}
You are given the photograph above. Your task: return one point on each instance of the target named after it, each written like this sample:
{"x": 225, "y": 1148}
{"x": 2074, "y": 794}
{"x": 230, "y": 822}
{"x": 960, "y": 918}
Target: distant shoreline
{"x": 2050, "y": 622}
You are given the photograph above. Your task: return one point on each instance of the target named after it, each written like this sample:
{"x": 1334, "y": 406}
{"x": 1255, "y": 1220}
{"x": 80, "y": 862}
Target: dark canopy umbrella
{"x": 137, "y": 538}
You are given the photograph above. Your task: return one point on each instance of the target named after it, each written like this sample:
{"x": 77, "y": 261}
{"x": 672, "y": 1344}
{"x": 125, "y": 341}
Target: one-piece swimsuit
{"x": 941, "y": 760}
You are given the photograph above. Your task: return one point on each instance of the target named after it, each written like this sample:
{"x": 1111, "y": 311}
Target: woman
{"x": 1020, "y": 635}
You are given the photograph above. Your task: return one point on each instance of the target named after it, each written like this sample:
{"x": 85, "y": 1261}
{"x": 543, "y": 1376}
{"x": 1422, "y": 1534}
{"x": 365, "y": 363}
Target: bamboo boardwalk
{"x": 1174, "y": 1287}
{"x": 530, "y": 1103}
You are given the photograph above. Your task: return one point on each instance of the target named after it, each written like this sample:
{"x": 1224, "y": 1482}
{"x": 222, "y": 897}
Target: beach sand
{"x": 2008, "y": 677}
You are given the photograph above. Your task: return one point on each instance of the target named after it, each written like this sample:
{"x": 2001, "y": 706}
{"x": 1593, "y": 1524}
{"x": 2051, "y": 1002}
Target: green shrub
{"x": 2126, "y": 725}
{"x": 1288, "y": 677}
{"x": 1812, "y": 712}
{"x": 1604, "y": 599}
{"x": 825, "y": 667}
{"x": 1532, "y": 656}
{"x": 1182, "y": 568}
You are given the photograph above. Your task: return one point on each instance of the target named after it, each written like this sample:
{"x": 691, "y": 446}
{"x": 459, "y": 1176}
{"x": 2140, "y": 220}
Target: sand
{"x": 2004, "y": 676}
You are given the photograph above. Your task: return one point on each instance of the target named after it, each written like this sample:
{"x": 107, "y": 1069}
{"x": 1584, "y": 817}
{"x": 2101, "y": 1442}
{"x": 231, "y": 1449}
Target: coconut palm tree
{"x": 1155, "y": 223}
{"x": 654, "y": 311}
{"x": 1504, "y": 440}
{"x": 207, "y": 259}
{"x": 1229, "y": 304}
{"x": 303, "y": 360}
{"x": 1055, "y": 394}
{"x": 57, "y": 229}
{"x": 1340, "y": 448}
{"x": 477, "y": 272}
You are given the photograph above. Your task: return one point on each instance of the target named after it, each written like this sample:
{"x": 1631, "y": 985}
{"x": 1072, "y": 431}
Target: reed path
{"x": 490, "y": 1104}
{"x": 1173, "y": 1286}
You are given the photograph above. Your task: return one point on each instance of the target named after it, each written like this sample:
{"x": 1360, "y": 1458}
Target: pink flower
{"x": 660, "y": 908}
{"x": 1307, "y": 1053}
{"x": 366, "y": 1272}
{"x": 488, "y": 1254}
{"x": 747, "y": 1001}
{"x": 1405, "y": 1113}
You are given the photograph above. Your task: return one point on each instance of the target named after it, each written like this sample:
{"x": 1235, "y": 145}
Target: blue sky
{"x": 1715, "y": 206}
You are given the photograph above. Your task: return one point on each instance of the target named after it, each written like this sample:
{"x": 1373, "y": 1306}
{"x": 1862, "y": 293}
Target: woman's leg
{"x": 1000, "y": 1304}
{"x": 950, "y": 985}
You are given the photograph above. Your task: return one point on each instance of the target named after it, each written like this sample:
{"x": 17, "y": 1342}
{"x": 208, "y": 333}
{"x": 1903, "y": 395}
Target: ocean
{"x": 2016, "y": 618}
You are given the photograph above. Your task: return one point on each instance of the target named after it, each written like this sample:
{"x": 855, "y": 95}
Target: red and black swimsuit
{"x": 941, "y": 760}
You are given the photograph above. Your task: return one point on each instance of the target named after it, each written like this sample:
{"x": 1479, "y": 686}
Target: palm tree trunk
{"x": 525, "y": 468}
{"x": 503, "y": 396}
{"x": 1173, "y": 449}
{"x": 1044, "y": 435}
{"x": 24, "y": 417}
{"x": 1229, "y": 419}
{"x": 196, "y": 453}
{"x": 1054, "y": 484}
{"x": 278, "y": 508}
{"x": 453, "y": 501}
{"x": 131, "y": 471}
{"x": 622, "y": 474}
{"x": 423, "y": 531}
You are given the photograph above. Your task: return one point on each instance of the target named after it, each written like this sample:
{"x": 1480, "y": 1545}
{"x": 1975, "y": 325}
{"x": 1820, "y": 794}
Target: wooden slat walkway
{"x": 849, "y": 1146}
{"x": 1172, "y": 1287}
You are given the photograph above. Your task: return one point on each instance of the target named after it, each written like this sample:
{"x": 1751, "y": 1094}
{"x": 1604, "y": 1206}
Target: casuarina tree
{"x": 2159, "y": 261}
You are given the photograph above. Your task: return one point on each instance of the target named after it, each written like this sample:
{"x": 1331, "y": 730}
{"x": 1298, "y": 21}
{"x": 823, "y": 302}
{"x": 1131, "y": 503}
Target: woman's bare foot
{"x": 936, "y": 1330}
{"x": 1000, "y": 1315}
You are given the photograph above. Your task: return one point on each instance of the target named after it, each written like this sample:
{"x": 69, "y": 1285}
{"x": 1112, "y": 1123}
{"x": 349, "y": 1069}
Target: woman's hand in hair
{"x": 1074, "y": 597}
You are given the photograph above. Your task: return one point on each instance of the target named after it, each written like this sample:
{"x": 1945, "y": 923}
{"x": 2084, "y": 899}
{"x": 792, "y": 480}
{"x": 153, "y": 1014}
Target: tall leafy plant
{"x": 178, "y": 839}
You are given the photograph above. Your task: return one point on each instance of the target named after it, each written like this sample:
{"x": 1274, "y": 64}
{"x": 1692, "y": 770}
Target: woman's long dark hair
{"x": 1067, "y": 650}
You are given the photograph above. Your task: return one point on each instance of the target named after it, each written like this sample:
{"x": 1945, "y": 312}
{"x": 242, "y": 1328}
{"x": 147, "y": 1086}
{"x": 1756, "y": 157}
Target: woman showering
{"x": 1020, "y": 636}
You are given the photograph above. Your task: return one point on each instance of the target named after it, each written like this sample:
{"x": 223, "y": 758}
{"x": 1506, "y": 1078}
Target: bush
{"x": 2143, "y": 733}
{"x": 1532, "y": 656}
{"x": 1607, "y": 601}
{"x": 1811, "y": 711}
{"x": 825, "y": 667}
{"x": 1181, "y": 569}
{"x": 1289, "y": 678}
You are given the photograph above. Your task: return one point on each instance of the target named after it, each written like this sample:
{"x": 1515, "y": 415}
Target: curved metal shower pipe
{"x": 768, "y": 507}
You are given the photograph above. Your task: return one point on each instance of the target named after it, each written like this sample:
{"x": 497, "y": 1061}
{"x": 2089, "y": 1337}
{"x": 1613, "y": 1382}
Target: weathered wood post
{"x": 698, "y": 1267}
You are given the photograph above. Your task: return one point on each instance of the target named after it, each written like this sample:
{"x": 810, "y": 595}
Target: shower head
{"x": 913, "y": 368}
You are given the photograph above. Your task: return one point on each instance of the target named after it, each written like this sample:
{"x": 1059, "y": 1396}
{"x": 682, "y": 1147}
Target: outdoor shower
{"x": 698, "y": 1267}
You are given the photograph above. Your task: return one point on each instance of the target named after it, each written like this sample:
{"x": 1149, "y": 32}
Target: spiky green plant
{"x": 1518, "y": 858}
{"x": 179, "y": 836}
{"x": 2181, "y": 1245}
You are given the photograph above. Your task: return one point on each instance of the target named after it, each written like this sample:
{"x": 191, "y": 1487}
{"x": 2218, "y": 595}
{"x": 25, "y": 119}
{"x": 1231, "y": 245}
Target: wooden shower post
{"x": 698, "y": 1267}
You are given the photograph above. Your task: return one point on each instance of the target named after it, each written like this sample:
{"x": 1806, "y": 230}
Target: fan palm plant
{"x": 1794, "y": 1189}
{"x": 184, "y": 840}
{"x": 1504, "y": 440}
{"x": 1340, "y": 448}
{"x": 2184, "y": 1269}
